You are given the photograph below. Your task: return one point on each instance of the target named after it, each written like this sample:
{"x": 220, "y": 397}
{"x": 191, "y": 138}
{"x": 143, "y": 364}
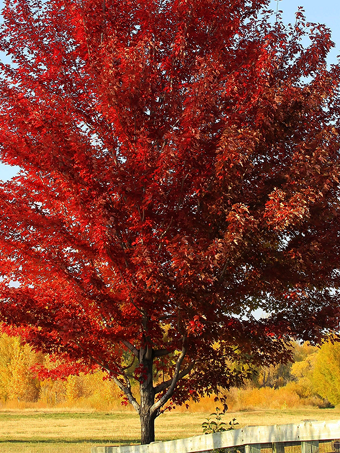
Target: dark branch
{"x": 160, "y": 353}
{"x": 126, "y": 389}
{"x": 155, "y": 408}
{"x": 164, "y": 385}
{"x": 131, "y": 347}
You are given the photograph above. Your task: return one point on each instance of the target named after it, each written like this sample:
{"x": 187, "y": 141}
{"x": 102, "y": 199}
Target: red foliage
{"x": 180, "y": 169}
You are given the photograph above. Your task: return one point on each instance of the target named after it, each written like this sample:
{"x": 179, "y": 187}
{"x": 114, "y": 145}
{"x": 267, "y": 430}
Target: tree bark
{"x": 148, "y": 409}
{"x": 147, "y": 423}
{"x": 147, "y": 394}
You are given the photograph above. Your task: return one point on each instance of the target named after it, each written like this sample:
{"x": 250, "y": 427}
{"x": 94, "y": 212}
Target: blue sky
{"x": 326, "y": 12}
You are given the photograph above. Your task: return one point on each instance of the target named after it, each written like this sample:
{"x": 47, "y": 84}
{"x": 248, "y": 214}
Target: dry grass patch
{"x": 75, "y": 432}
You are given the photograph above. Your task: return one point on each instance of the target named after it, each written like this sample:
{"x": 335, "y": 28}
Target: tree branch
{"x": 160, "y": 353}
{"x": 124, "y": 388}
{"x": 172, "y": 386}
{"x": 127, "y": 391}
{"x": 130, "y": 364}
{"x": 131, "y": 347}
{"x": 163, "y": 385}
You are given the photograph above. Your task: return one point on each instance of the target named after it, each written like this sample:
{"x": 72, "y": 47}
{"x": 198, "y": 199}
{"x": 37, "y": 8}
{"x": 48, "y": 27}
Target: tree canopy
{"x": 179, "y": 171}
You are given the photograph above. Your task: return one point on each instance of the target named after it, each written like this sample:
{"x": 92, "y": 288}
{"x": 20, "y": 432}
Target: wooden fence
{"x": 304, "y": 437}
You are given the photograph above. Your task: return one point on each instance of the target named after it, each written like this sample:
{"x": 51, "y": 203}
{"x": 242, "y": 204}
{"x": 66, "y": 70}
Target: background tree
{"x": 326, "y": 372}
{"x": 302, "y": 371}
{"x": 274, "y": 376}
{"x": 180, "y": 164}
{"x": 17, "y": 381}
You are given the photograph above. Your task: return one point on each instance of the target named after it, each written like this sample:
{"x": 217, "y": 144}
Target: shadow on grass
{"x": 116, "y": 442}
{"x": 9, "y": 415}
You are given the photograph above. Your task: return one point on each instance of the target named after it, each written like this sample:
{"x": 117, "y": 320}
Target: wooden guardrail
{"x": 307, "y": 434}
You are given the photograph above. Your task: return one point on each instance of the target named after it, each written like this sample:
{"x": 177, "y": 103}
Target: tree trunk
{"x": 147, "y": 423}
{"x": 147, "y": 394}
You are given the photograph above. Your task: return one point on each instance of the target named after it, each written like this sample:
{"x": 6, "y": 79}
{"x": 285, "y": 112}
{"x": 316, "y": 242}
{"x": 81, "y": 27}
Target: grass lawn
{"x": 32, "y": 431}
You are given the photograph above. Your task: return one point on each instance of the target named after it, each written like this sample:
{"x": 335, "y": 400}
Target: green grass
{"x": 33, "y": 431}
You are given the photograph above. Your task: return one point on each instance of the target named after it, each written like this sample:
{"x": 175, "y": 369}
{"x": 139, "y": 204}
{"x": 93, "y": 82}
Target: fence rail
{"x": 251, "y": 439}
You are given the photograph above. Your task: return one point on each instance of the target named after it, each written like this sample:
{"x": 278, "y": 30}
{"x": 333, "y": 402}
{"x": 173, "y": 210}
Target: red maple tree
{"x": 179, "y": 171}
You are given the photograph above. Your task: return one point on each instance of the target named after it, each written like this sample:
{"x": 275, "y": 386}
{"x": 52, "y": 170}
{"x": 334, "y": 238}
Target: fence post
{"x": 278, "y": 447}
{"x": 311, "y": 446}
{"x": 253, "y": 448}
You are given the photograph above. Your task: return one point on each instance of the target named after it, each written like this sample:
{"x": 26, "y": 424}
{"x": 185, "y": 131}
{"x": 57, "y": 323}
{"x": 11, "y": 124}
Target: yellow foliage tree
{"x": 16, "y": 379}
{"x": 326, "y": 373}
{"x": 6, "y": 352}
{"x": 74, "y": 388}
{"x": 302, "y": 371}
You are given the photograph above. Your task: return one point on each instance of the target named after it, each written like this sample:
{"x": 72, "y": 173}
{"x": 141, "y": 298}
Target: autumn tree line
{"x": 312, "y": 379}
